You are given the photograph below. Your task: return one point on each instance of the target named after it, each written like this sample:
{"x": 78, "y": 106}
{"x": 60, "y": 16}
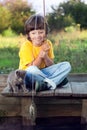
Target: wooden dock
{"x": 69, "y": 100}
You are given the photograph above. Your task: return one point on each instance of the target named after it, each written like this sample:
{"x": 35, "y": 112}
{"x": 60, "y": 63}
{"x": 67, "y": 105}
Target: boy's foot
{"x": 41, "y": 86}
{"x": 64, "y": 82}
{"x": 50, "y": 84}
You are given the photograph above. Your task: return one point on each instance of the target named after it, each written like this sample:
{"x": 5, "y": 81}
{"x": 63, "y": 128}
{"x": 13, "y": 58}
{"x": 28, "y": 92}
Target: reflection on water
{"x": 15, "y": 123}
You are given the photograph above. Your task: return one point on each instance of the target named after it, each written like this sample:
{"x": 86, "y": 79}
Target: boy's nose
{"x": 37, "y": 34}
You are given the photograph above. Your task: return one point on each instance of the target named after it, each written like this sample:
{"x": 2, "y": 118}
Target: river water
{"x": 14, "y": 123}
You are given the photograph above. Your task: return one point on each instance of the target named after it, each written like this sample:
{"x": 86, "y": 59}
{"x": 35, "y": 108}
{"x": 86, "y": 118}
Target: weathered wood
{"x": 64, "y": 101}
{"x": 71, "y": 90}
{"x": 49, "y": 107}
{"x": 79, "y": 89}
{"x": 3, "y": 81}
{"x": 25, "y": 104}
{"x": 10, "y": 106}
{"x": 77, "y": 77}
{"x": 84, "y": 112}
{"x": 75, "y": 88}
{"x": 48, "y": 93}
{"x": 64, "y": 91}
{"x": 3, "y": 77}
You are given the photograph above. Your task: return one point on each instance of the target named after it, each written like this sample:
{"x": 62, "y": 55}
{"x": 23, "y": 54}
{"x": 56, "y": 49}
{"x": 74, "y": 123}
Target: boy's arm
{"x": 37, "y": 62}
{"x": 42, "y": 56}
{"x": 48, "y": 61}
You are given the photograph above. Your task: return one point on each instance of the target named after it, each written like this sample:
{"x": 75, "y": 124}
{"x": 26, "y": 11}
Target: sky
{"x": 38, "y": 5}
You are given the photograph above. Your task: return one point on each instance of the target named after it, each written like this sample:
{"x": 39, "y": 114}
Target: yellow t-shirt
{"x": 28, "y": 53}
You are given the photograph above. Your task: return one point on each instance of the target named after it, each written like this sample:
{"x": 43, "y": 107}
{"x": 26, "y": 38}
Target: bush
{"x": 8, "y": 33}
{"x": 70, "y": 29}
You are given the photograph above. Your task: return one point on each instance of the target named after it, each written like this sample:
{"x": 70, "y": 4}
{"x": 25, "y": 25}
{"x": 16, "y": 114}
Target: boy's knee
{"x": 68, "y": 65}
{"x": 32, "y": 69}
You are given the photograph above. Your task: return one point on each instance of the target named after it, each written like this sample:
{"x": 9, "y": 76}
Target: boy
{"x": 36, "y": 57}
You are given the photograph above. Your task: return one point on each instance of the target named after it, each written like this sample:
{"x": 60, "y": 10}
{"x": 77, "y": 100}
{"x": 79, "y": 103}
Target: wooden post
{"x": 25, "y": 104}
{"x": 84, "y": 112}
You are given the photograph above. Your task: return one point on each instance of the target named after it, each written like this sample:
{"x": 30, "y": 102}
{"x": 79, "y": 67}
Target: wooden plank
{"x": 64, "y": 91}
{"x": 58, "y": 110}
{"x": 10, "y": 106}
{"x": 3, "y": 77}
{"x": 11, "y": 110}
{"x": 79, "y": 89}
{"x": 84, "y": 111}
{"x": 56, "y": 100}
{"x": 3, "y": 80}
{"x": 25, "y": 105}
{"x": 72, "y": 89}
{"x": 77, "y": 77}
{"x": 47, "y": 93}
{"x": 47, "y": 102}
{"x": 20, "y": 94}
{"x": 9, "y": 101}
{"x": 1, "y": 88}
{"x": 48, "y": 107}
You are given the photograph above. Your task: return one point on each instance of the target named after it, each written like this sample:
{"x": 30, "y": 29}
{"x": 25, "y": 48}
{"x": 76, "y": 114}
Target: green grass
{"x": 9, "y": 48}
{"x": 70, "y": 47}
{"x": 75, "y": 55}
{"x": 9, "y": 59}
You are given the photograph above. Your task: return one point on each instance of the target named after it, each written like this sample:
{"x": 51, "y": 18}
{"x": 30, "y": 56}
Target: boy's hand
{"x": 45, "y": 47}
{"x": 42, "y": 54}
{"x": 44, "y": 50}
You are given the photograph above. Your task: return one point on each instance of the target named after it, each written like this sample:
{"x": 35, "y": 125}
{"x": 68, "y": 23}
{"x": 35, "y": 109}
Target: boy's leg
{"x": 34, "y": 74}
{"x": 57, "y": 72}
{"x": 52, "y": 75}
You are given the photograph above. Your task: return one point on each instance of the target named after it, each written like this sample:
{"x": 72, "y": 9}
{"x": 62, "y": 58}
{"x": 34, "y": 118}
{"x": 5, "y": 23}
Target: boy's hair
{"x": 36, "y": 22}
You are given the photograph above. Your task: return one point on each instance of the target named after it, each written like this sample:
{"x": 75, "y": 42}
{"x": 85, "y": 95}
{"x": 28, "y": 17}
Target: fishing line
{"x": 44, "y": 14}
{"x": 32, "y": 107}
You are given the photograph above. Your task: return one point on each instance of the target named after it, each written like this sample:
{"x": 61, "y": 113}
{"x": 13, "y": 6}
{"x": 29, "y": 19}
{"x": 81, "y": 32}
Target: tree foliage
{"x": 5, "y": 16}
{"x": 14, "y": 13}
{"x": 77, "y": 9}
{"x": 19, "y": 11}
{"x": 74, "y": 12}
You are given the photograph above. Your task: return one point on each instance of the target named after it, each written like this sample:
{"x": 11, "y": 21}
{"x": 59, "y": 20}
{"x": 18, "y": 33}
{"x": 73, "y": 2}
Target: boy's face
{"x": 37, "y": 36}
